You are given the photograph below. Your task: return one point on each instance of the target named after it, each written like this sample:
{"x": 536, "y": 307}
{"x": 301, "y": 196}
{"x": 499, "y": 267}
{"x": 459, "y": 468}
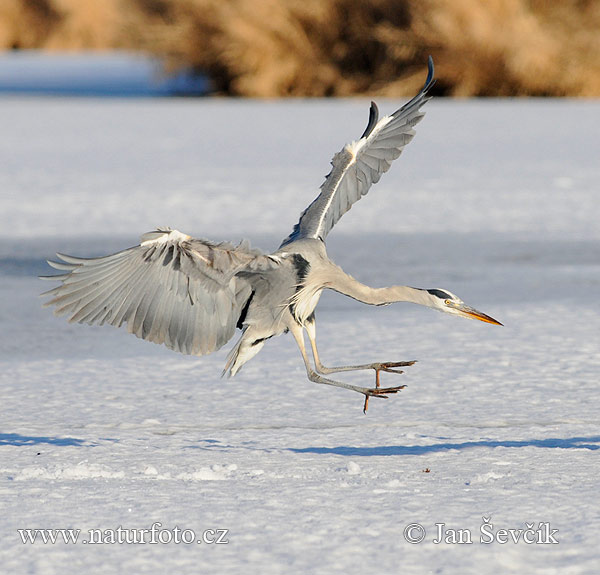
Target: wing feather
{"x": 361, "y": 164}
{"x": 172, "y": 289}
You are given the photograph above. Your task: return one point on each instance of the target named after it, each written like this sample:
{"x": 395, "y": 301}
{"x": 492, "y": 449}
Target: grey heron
{"x": 191, "y": 294}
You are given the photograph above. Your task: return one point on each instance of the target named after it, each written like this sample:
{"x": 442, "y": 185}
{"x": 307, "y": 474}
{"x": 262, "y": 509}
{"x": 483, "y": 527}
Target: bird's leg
{"x": 313, "y": 376}
{"x": 388, "y": 366}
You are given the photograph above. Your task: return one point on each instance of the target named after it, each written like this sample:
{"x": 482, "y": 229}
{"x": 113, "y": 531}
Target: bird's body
{"x": 192, "y": 294}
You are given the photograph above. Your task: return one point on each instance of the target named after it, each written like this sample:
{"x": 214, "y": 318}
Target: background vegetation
{"x": 335, "y": 47}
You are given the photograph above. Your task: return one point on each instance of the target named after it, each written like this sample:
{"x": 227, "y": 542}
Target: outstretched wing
{"x": 171, "y": 289}
{"x": 360, "y": 164}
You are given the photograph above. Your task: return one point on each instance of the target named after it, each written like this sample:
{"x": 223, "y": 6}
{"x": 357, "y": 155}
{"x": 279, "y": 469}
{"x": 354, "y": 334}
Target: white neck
{"x": 341, "y": 282}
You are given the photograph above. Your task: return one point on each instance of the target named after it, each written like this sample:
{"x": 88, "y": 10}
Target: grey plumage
{"x": 171, "y": 289}
{"x": 192, "y": 294}
{"x": 360, "y": 164}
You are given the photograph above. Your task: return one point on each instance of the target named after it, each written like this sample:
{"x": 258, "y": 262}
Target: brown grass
{"x": 336, "y": 47}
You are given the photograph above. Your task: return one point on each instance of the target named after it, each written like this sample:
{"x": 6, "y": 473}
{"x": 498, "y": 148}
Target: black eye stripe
{"x": 439, "y": 293}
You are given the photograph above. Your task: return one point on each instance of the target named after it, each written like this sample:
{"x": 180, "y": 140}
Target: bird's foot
{"x": 379, "y": 392}
{"x": 390, "y": 367}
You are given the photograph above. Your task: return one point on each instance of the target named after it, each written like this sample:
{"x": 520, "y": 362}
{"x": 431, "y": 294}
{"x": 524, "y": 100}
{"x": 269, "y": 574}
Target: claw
{"x": 379, "y": 392}
{"x": 389, "y": 366}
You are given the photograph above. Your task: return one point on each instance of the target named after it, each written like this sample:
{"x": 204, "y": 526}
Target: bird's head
{"x": 445, "y": 301}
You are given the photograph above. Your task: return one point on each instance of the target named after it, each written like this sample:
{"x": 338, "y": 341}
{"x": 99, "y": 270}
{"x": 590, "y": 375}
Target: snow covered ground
{"x": 495, "y": 201}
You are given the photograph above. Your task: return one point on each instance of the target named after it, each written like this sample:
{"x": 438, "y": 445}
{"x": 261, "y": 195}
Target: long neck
{"x": 347, "y": 285}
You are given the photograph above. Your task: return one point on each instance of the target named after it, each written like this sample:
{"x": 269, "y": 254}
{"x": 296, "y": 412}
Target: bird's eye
{"x": 447, "y": 302}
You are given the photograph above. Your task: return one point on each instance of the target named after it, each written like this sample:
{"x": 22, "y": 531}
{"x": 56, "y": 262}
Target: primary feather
{"x": 360, "y": 164}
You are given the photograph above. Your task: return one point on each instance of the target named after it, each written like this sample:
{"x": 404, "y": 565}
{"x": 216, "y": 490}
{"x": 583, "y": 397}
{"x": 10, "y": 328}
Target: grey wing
{"x": 360, "y": 164}
{"x": 171, "y": 289}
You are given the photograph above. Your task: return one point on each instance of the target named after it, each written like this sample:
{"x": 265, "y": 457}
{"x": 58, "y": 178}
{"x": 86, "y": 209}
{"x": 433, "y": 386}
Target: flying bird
{"x": 192, "y": 294}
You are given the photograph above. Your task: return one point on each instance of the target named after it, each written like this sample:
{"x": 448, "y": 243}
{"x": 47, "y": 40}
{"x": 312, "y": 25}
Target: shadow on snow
{"x": 16, "y": 439}
{"x": 591, "y": 443}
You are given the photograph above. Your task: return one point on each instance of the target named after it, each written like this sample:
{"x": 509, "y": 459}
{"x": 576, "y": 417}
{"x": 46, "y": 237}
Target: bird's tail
{"x": 232, "y": 357}
{"x": 244, "y": 350}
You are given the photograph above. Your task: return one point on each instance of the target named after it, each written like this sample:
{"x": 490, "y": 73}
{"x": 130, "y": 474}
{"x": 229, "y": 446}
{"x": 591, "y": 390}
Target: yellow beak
{"x": 475, "y": 314}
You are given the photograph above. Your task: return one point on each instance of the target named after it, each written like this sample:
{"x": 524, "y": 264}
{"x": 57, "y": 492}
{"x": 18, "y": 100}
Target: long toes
{"x": 389, "y": 364}
{"x": 390, "y": 370}
{"x": 381, "y": 391}
{"x": 392, "y": 389}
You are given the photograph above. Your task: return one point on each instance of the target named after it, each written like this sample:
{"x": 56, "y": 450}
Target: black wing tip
{"x": 373, "y": 119}
{"x": 430, "y": 76}
{"x": 430, "y": 69}
{"x": 422, "y": 96}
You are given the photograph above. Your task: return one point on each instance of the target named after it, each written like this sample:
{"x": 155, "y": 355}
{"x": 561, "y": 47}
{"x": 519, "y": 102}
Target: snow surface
{"x": 496, "y": 201}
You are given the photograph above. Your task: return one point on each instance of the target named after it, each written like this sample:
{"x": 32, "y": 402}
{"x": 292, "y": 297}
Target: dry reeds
{"x": 336, "y": 47}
